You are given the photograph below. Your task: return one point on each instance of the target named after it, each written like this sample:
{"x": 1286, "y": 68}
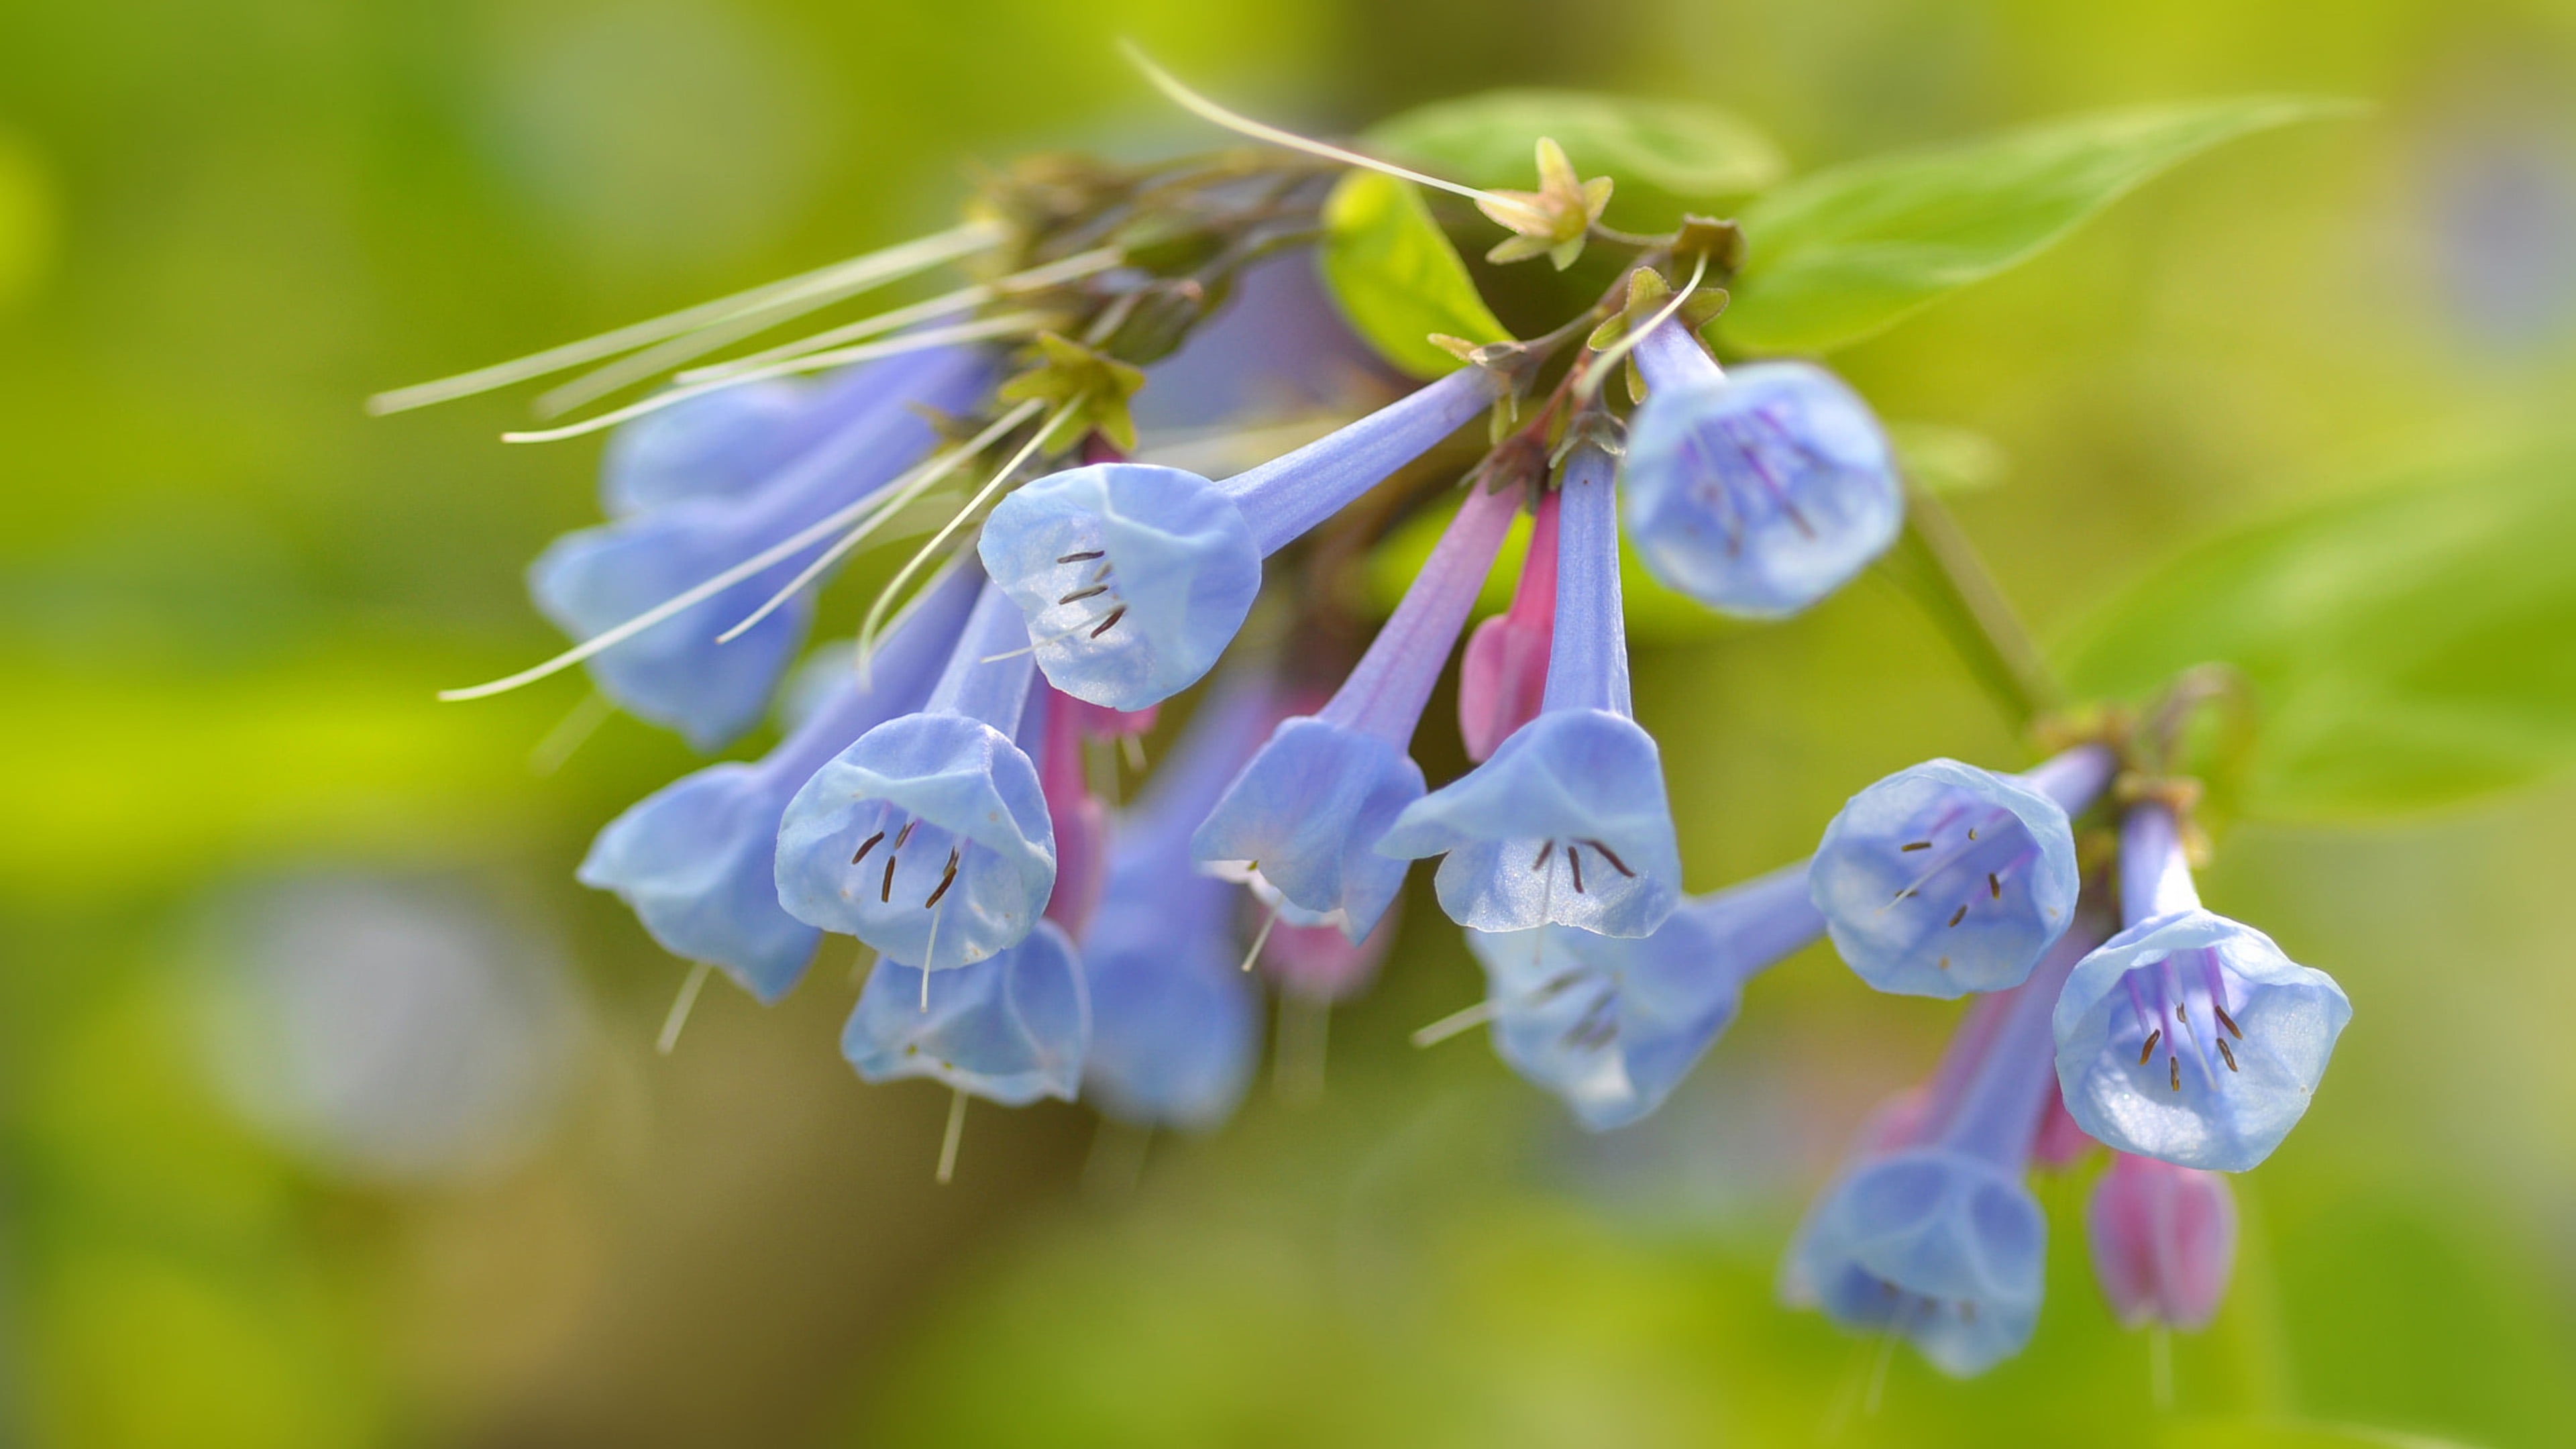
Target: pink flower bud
{"x": 1081, "y": 820}
{"x": 2164, "y": 1241}
{"x": 2060, "y": 1143}
{"x": 1504, "y": 674}
{"x": 1320, "y": 962}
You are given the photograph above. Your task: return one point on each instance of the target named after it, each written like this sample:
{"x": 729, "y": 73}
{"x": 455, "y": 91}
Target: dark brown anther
{"x": 1994, "y": 886}
{"x": 1083, "y": 557}
{"x": 1111, "y": 622}
{"x": 2173, "y": 1072}
{"x": 905, "y": 833}
{"x": 2182, "y": 1011}
{"x": 885, "y": 892}
{"x": 1972, "y": 832}
{"x": 1916, "y": 845}
{"x": 1544, "y": 852}
{"x": 1616, "y": 863}
{"x": 1079, "y": 595}
{"x": 2225, "y": 1051}
{"x": 2228, "y": 1022}
{"x": 867, "y": 845}
{"x": 947, "y": 878}
{"x": 2149, "y": 1049}
{"x": 1959, "y": 915}
{"x": 1576, "y": 863}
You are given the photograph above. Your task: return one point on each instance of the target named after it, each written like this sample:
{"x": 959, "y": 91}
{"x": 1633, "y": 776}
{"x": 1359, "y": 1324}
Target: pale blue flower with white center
{"x": 1612, "y": 1024}
{"x": 1944, "y": 879}
{"x": 1308, "y": 811}
{"x": 2189, "y": 1037}
{"x": 929, "y": 838}
{"x": 695, "y": 859}
{"x": 1935, "y": 1235}
{"x": 1567, "y": 823}
{"x": 1176, "y": 1025}
{"x": 674, "y": 673}
{"x": 1756, "y": 492}
{"x": 1010, "y": 1028}
{"x": 1134, "y": 578}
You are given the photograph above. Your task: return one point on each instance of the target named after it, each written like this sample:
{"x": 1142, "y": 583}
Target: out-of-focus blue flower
{"x": 1176, "y": 1026}
{"x": 929, "y": 838}
{"x": 695, "y": 859}
{"x": 675, "y": 673}
{"x": 1567, "y": 823}
{"x": 2189, "y": 1037}
{"x": 1757, "y": 492}
{"x": 1612, "y": 1024}
{"x": 1944, "y": 879}
{"x": 1307, "y": 813}
{"x": 1935, "y": 1236}
{"x": 1010, "y": 1028}
{"x": 724, "y": 443}
{"x": 1134, "y": 578}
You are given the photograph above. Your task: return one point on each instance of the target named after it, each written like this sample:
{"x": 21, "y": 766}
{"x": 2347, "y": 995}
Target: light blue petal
{"x": 1010, "y": 1028}
{"x": 1176, "y": 1027}
{"x": 1945, "y": 1248}
{"x": 693, "y": 860}
{"x": 1613, "y": 1025}
{"x": 714, "y": 445}
{"x": 674, "y": 674}
{"x": 1310, "y": 810}
{"x": 1760, "y": 493}
{"x": 966, "y": 793}
{"x": 2221, "y": 1118}
{"x": 1570, "y": 781}
{"x": 1170, "y": 557}
{"x": 1988, "y": 885}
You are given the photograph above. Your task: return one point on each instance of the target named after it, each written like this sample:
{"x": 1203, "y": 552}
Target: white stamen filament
{"x": 875, "y": 619}
{"x": 1070, "y": 269}
{"x": 976, "y": 331}
{"x": 1200, "y": 106}
{"x": 948, "y": 1143}
{"x": 1268, "y": 925}
{"x": 785, "y": 548}
{"x": 575, "y": 731}
{"x": 898, "y": 498}
{"x": 680, "y": 1008}
{"x": 868, "y": 270}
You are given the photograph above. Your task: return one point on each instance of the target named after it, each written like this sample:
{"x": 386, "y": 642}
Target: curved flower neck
{"x": 2155, "y": 871}
{"x": 987, "y": 677}
{"x": 1388, "y": 688}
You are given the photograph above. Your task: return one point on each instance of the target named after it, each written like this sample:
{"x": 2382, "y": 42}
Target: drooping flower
{"x": 1176, "y": 1025}
{"x": 928, "y": 838}
{"x": 675, "y": 673}
{"x": 1308, "y": 811}
{"x": 2163, "y": 1240}
{"x": 1757, "y": 492}
{"x": 2189, "y": 1037}
{"x": 1502, "y": 680}
{"x": 1934, "y": 1235}
{"x": 695, "y": 858}
{"x": 1612, "y": 1024}
{"x": 726, "y": 442}
{"x": 1944, "y": 879}
{"x": 1010, "y": 1028}
{"x": 1567, "y": 823}
{"x": 1134, "y": 577}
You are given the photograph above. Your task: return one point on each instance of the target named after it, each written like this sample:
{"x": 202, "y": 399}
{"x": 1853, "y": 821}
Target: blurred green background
{"x": 329, "y": 1113}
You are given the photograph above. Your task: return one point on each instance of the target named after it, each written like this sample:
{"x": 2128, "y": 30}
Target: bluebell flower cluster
{"x": 964, "y": 799}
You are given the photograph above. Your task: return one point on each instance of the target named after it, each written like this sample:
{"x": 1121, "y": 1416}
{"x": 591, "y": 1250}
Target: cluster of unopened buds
{"x": 941, "y": 796}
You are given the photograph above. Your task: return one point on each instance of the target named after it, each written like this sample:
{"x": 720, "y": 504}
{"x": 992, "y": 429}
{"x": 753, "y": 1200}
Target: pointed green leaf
{"x": 1681, "y": 148}
{"x": 1396, "y": 277}
{"x": 1847, "y": 252}
{"x": 2409, "y": 646}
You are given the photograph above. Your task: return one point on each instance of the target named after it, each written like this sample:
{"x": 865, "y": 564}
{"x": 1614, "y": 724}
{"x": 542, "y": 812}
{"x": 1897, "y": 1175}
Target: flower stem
{"x": 1936, "y": 563}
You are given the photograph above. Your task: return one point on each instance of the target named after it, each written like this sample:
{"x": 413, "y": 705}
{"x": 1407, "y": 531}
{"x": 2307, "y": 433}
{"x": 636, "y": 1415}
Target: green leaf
{"x": 2410, "y": 646}
{"x": 1396, "y": 277}
{"x": 1847, "y": 252}
{"x": 1681, "y": 148}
